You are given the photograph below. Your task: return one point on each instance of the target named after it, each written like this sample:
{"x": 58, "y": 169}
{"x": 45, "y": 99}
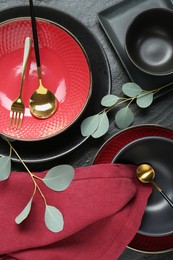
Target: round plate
{"x": 156, "y": 151}
{"x": 40, "y": 152}
{"x": 107, "y": 153}
{"x": 65, "y": 71}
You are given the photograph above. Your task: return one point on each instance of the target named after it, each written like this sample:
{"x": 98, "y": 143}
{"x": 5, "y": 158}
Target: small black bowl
{"x": 149, "y": 41}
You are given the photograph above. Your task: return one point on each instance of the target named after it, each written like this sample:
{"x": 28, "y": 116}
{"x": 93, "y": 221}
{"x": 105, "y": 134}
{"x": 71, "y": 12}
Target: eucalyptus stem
{"x": 131, "y": 99}
{"x": 167, "y": 85}
{"x": 42, "y": 195}
{"x": 36, "y": 186}
{"x": 145, "y": 92}
{"x": 117, "y": 104}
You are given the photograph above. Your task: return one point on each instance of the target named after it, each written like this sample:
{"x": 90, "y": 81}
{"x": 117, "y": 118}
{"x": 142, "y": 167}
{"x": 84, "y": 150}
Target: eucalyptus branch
{"x": 117, "y": 104}
{"x": 30, "y": 173}
{"x": 58, "y": 179}
{"x": 97, "y": 125}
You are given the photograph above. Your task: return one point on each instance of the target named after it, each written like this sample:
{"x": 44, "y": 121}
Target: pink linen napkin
{"x": 102, "y": 210}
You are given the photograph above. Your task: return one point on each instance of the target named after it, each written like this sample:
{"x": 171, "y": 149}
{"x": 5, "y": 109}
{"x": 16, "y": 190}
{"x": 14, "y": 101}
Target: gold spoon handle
{"x": 156, "y": 186}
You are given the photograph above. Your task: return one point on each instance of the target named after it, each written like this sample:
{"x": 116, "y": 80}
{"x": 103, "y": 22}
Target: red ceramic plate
{"x": 65, "y": 71}
{"x": 142, "y": 243}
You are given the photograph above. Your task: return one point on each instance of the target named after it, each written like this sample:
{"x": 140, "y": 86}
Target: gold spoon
{"x": 145, "y": 173}
{"x": 43, "y": 102}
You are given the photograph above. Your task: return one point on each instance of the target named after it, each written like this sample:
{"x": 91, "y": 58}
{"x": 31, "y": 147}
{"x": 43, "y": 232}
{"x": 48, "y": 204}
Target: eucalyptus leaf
{"x": 59, "y": 177}
{"x": 89, "y": 125}
{"x": 24, "y": 213}
{"x": 109, "y": 100}
{"x": 103, "y": 125}
{"x": 131, "y": 89}
{"x": 53, "y": 219}
{"x": 124, "y": 117}
{"x": 5, "y": 167}
{"x": 144, "y": 101}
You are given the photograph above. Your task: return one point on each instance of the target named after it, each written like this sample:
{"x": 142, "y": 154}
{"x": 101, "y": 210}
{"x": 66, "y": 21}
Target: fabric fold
{"x": 102, "y": 210}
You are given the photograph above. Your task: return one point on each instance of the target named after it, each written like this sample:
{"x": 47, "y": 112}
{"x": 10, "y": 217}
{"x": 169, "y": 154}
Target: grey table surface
{"x": 159, "y": 113}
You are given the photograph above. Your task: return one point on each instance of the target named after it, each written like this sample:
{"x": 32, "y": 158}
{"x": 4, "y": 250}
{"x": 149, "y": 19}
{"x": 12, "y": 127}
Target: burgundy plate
{"x": 156, "y": 151}
{"x": 142, "y": 243}
{"x": 65, "y": 71}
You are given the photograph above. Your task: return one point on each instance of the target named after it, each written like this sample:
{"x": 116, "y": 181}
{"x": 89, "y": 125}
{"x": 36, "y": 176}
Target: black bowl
{"x": 158, "y": 152}
{"x": 149, "y": 41}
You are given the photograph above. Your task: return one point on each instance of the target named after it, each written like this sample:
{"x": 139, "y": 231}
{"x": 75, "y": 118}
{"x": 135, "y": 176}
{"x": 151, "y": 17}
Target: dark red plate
{"x": 107, "y": 153}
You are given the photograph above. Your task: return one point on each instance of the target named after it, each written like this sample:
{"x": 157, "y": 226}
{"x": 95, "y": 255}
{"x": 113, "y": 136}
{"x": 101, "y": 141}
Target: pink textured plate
{"x": 65, "y": 71}
{"x": 141, "y": 242}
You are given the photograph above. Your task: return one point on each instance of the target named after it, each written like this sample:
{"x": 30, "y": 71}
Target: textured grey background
{"x": 159, "y": 113}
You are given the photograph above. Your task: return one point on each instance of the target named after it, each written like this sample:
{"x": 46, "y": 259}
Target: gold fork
{"x": 17, "y": 107}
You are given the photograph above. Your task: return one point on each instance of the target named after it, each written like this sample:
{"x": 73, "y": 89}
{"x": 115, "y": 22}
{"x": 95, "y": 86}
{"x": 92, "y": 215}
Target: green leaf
{"x": 145, "y": 100}
{"x": 59, "y": 177}
{"x": 25, "y": 212}
{"x": 103, "y": 126}
{"x": 109, "y": 100}
{"x": 89, "y": 125}
{"x": 124, "y": 117}
{"x": 131, "y": 89}
{"x": 5, "y": 167}
{"x": 53, "y": 219}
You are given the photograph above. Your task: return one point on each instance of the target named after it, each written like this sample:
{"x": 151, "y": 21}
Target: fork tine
{"x": 17, "y": 107}
{"x": 12, "y": 118}
{"x": 19, "y": 120}
{"x": 16, "y": 119}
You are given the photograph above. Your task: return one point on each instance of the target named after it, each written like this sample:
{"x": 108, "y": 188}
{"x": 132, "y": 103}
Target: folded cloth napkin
{"x": 102, "y": 210}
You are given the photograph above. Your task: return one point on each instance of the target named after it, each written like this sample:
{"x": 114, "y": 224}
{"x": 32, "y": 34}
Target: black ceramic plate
{"x": 156, "y": 151}
{"x": 115, "y": 21}
{"x": 43, "y": 151}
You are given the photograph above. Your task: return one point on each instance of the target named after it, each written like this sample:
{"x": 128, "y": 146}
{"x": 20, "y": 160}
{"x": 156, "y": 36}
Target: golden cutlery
{"x": 43, "y": 102}
{"x": 145, "y": 173}
{"x": 17, "y": 107}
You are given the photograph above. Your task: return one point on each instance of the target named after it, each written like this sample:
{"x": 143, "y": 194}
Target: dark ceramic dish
{"x": 143, "y": 243}
{"x": 156, "y": 151}
{"x": 115, "y": 21}
{"x": 149, "y": 41}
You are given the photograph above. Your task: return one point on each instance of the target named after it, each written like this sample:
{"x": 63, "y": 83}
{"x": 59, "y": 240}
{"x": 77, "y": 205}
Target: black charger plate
{"x": 46, "y": 150}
